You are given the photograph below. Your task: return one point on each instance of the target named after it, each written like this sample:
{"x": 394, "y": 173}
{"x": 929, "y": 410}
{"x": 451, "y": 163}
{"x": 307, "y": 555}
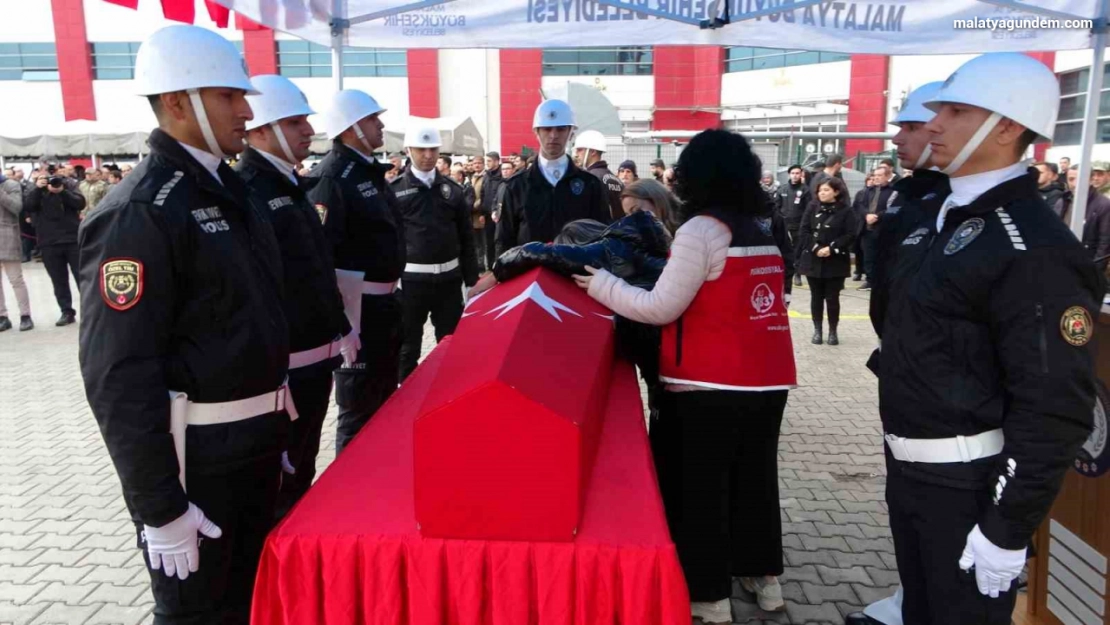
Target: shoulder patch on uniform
{"x": 964, "y": 235}
{"x": 1076, "y": 326}
{"x": 121, "y": 282}
{"x": 164, "y": 192}
{"x": 347, "y": 170}
{"x": 322, "y": 211}
{"x": 445, "y": 191}
{"x": 1011, "y": 229}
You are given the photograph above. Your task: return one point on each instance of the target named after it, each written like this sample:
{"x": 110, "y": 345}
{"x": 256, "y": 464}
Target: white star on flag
{"x": 535, "y": 293}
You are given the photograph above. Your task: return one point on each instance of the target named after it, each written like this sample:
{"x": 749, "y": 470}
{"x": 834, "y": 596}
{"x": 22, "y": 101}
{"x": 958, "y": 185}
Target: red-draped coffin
{"x": 508, "y": 432}
{"x": 351, "y": 553}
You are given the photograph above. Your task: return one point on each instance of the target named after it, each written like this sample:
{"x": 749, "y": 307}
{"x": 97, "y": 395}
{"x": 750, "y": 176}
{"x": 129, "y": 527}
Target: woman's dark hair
{"x": 836, "y": 184}
{"x": 718, "y": 170}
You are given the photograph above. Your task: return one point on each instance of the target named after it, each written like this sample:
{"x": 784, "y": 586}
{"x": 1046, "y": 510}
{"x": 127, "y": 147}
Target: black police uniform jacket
{"x": 313, "y": 306}
{"x": 360, "y": 215}
{"x": 533, "y": 210}
{"x": 792, "y": 201}
{"x": 438, "y": 228}
{"x": 987, "y": 326}
{"x": 613, "y": 188}
{"x": 181, "y": 290}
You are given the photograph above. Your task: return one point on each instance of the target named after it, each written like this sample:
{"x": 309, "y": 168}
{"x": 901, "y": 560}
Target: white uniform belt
{"x": 314, "y": 355}
{"x": 433, "y": 268}
{"x": 946, "y": 450}
{"x": 184, "y": 413}
{"x": 378, "y": 288}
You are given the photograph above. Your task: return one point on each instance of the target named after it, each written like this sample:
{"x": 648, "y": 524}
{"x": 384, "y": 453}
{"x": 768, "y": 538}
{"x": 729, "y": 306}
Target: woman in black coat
{"x": 827, "y": 231}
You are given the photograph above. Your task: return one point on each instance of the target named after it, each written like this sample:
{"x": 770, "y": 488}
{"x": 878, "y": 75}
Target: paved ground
{"x": 67, "y": 548}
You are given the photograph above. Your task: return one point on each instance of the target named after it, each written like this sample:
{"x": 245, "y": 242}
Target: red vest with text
{"x": 736, "y": 333}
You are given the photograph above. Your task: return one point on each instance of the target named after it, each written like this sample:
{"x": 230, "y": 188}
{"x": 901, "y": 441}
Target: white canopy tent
{"x": 893, "y": 27}
{"x": 460, "y": 136}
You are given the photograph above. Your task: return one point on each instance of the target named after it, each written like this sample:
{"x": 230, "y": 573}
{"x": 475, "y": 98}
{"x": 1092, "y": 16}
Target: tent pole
{"x": 1090, "y": 122}
{"x": 339, "y": 26}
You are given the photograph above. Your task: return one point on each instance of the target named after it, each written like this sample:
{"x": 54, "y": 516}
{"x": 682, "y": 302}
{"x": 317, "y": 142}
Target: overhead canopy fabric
{"x": 858, "y": 26}
{"x": 76, "y": 138}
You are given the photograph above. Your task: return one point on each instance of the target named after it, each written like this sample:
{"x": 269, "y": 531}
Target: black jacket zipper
{"x": 1042, "y": 338}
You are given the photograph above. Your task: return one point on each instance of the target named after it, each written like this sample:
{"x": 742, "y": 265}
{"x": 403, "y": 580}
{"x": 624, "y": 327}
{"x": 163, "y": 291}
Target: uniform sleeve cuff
{"x": 1002, "y": 532}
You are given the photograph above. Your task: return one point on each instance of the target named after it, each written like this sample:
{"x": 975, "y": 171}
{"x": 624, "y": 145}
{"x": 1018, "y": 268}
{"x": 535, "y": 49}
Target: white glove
{"x": 349, "y": 346}
{"x": 286, "y": 466}
{"x": 174, "y": 547}
{"x": 995, "y": 567}
{"x": 350, "y": 289}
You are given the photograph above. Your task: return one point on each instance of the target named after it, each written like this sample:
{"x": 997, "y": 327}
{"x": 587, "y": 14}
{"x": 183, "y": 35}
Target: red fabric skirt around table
{"x": 351, "y": 552}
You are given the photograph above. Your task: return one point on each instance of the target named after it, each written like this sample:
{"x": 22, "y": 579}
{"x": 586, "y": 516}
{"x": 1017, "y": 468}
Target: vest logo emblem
{"x": 763, "y": 299}
{"x": 1076, "y": 326}
{"x": 121, "y": 282}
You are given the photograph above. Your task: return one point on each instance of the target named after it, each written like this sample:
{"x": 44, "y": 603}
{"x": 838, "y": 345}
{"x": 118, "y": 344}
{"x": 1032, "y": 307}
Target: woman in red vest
{"x": 727, "y": 362}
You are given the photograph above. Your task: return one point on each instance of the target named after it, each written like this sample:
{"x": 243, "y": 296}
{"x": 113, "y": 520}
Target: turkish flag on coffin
{"x": 505, "y": 440}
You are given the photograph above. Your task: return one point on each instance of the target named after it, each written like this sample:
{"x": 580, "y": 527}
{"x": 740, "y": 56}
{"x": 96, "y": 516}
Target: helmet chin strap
{"x": 924, "y": 158}
{"x": 362, "y": 138}
{"x": 283, "y": 142}
{"x": 972, "y": 144}
{"x": 202, "y": 121}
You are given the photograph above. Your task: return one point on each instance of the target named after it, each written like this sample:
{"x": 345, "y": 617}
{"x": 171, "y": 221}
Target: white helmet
{"x": 423, "y": 137}
{"x": 553, "y": 114}
{"x": 1010, "y": 84}
{"x": 190, "y": 58}
{"x": 182, "y": 57}
{"x": 590, "y": 140}
{"x": 913, "y": 109}
{"x": 278, "y": 98}
{"x": 347, "y": 107}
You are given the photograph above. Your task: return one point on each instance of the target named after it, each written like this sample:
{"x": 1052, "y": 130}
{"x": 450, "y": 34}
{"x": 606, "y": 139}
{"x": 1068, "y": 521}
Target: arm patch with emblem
{"x": 121, "y": 282}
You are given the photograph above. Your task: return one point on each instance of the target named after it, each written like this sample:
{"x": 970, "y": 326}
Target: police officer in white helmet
{"x": 184, "y": 347}
{"x": 440, "y": 256}
{"x": 366, "y": 233}
{"x": 278, "y": 139}
{"x": 589, "y": 152}
{"x": 912, "y": 145}
{"x": 986, "y": 381}
{"x": 541, "y": 200}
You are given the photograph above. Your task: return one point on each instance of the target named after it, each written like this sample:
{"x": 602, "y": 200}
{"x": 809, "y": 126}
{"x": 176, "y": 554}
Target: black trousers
{"x": 861, "y": 255}
{"x": 480, "y": 248}
{"x": 362, "y": 388}
{"x": 28, "y": 243}
{"x": 869, "y": 243}
{"x": 716, "y": 457}
{"x": 825, "y": 293}
{"x": 930, "y": 524}
{"x": 311, "y": 389}
{"x": 56, "y": 258}
{"x": 491, "y": 243}
{"x": 441, "y": 300}
{"x": 232, "y": 474}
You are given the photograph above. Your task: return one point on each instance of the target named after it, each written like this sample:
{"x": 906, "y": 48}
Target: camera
{"x": 56, "y": 181}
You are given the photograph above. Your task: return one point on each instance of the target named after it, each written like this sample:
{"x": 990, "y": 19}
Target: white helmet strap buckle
{"x": 280, "y": 134}
{"x": 973, "y": 143}
{"x": 202, "y": 121}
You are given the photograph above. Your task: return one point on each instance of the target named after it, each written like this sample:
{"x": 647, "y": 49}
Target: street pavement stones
{"x": 67, "y": 547}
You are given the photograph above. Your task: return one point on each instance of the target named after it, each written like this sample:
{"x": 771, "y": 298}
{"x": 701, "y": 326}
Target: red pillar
{"x": 260, "y": 51}
{"x": 687, "y": 78}
{"x": 423, "y": 70}
{"x": 867, "y": 101}
{"x": 74, "y": 59}
{"x": 1049, "y": 59}
{"x": 521, "y": 79}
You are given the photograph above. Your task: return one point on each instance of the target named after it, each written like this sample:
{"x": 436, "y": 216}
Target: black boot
{"x": 25, "y": 323}
{"x": 833, "y": 340}
{"x": 797, "y": 280}
{"x": 5, "y": 324}
{"x": 817, "y": 338}
{"x": 66, "y": 319}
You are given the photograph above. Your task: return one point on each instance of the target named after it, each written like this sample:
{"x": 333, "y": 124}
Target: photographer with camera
{"x": 55, "y": 210}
